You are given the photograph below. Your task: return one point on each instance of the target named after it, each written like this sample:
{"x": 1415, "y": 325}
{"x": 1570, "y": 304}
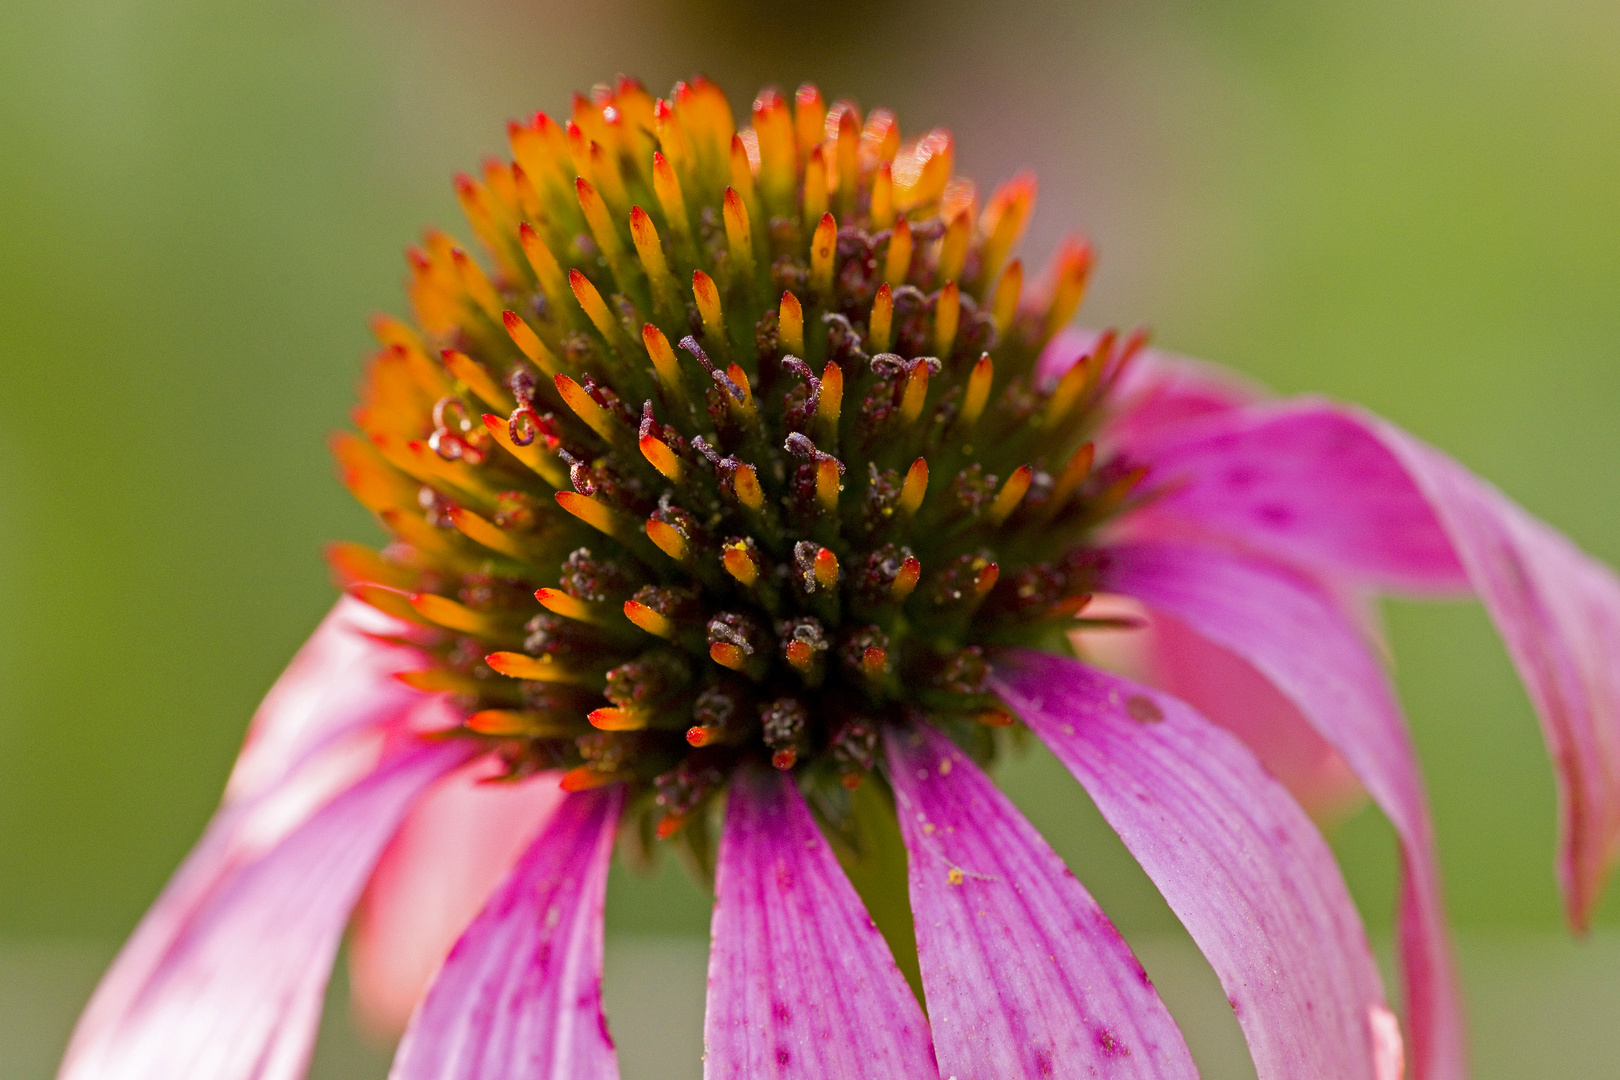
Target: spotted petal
{"x": 237, "y": 993}
{"x": 1233, "y": 854}
{"x": 1307, "y": 483}
{"x": 1024, "y": 974}
{"x": 1292, "y": 633}
{"x": 801, "y": 984}
{"x": 520, "y": 994}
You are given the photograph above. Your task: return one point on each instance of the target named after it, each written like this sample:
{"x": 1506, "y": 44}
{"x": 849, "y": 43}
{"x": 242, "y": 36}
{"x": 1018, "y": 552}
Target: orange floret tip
{"x": 897, "y": 263}
{"x": 662, "y": 458}
{"x": 586, "y": 778}
{"x": 439, "y": 681}
{"x": 389, "y": 601}
{"x": 905, "y": 580}
{"x": 649, "y": 620}
{"x": 809, "y": 118}
{"x": 790, "y": 324}
{"x": 914, "y": 487}
{"x": 668, "y": 539}
{"x": 707, "y": 296}
{"x": 823, "y": 245}
{"x": 616, "y": 719}
{"x": 915, "y": 393}
{"x": 356, "y": 564}
{"x": 826, "y": 569}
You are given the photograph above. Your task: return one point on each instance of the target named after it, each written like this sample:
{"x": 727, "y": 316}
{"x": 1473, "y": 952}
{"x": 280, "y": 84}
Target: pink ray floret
{"x": 1025, "y": 975}
{"x": 801, "y": 983}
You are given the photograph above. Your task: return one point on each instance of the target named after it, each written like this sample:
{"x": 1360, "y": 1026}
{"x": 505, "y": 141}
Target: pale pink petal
{"x": 1024, "y": 974}
{"x": 1293, "y": 634}
{"x": 310, "y": 739}
{"x": 459, "y": 841}
{"x": 519, "y": 997}
{"x": 1226, "y": 689}
{"x": 237, "y": 993}
{"x": 1237, "y": 860}
{"x": 340, "y": 680}
{"x": 210, "y": 861}
{"x": 801, "y": 983}
{"x": 1389, "y": 1051}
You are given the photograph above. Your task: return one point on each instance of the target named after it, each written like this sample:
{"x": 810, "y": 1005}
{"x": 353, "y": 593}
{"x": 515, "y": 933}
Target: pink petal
{"x": 340, "y": 680}
{"x": 1235, "y": 857}
{"x": 1293, "y": 634}
{"x": 1306, "y": 482}
{"x": 801, "y": 984}
{"x": 520, "y": 994}
{"x": 320, "y": 728}
{"x": 1226, "y": 689}
{"x": 1558, "y": 612}
{"x": 459, "y": 841}
{"x": 1339, "y": 489}
{"x": 1024, "y": 974}
{"x": 1223, "y": 688}
{"x": 237, "y": 992}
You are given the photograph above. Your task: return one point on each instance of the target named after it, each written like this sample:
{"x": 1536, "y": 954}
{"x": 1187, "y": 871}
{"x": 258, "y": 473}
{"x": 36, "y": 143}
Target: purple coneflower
{"x": 752, "y": 498}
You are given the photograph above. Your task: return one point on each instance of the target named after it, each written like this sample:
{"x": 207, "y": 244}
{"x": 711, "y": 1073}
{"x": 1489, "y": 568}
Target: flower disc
{"x": 734, "y": 451}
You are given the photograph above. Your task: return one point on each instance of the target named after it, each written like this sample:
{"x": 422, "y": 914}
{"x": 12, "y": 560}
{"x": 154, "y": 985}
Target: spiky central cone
{"x": 807, "y": 518}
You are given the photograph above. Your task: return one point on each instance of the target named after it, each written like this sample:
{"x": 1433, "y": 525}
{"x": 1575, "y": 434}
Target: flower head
{"x": 739, "y": 483}
{"x": 738, "y": 455}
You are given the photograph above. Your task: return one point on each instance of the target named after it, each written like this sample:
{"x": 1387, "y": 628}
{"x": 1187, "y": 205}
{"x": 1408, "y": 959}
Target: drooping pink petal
{"x": 1339, "y": 489}
{"x": 1233, "y": 854}
{"x": 459, "y": 841}
{"x": 237, "y": 993}
{"x": 1558, "y": 612}
{"x": 313, "y": 736}
{"x": 209, "y": 862}
{"x": 341, "y": 679}
{"x": 801, "y": 983}
{"x": 1293, "y": 635}
{"x": 519, "y": 997}
{"x": 1024, "y": 974}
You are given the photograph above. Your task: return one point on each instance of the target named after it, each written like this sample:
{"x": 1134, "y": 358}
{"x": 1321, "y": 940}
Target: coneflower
{"x": 741, "y": 490}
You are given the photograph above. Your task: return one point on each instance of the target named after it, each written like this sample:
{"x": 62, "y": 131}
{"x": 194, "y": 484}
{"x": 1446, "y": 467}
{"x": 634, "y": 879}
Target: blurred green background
{"x": 200, "y": 203}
